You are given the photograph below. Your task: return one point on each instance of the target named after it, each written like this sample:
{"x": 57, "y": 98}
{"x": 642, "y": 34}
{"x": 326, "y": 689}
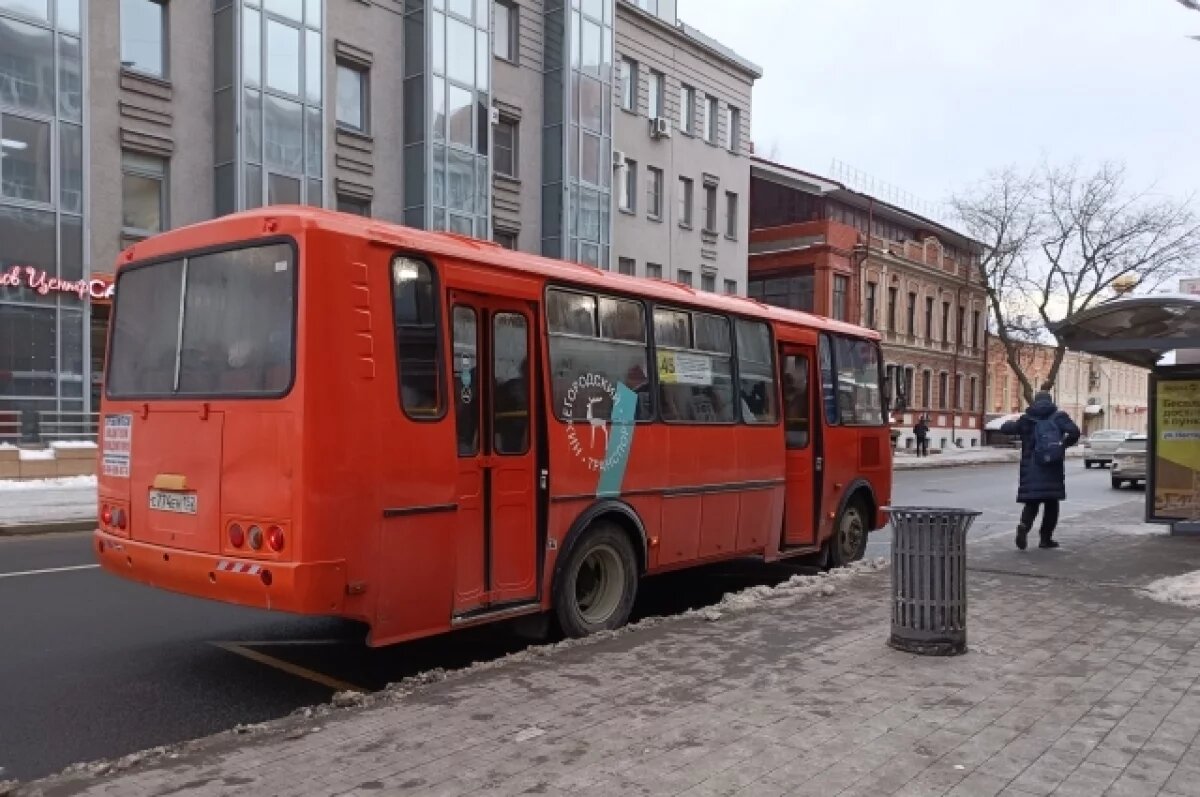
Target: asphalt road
{"x": 92, "y": 667}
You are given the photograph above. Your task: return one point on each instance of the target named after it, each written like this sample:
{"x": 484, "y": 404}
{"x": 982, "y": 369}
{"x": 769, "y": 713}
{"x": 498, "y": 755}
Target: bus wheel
{"x": 849, "y": 541}
{"x": 597, "y": 585}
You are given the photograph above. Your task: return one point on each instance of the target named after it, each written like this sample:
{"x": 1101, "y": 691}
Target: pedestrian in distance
{"x": 1046, "y": 433}
{"x": 921, "y": 431}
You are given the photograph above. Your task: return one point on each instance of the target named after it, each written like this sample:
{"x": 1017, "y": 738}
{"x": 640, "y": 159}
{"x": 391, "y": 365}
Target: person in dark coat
{"x": 1042, "y": 485}
{"x": 921, "y": 431}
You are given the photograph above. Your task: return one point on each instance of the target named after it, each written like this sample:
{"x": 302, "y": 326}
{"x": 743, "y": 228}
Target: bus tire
{"x": 597, "y": 585}
{"x": 849, "y": 541}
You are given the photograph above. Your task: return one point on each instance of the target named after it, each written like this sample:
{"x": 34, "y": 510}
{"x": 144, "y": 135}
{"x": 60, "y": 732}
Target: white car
{"x": 1101, "y": 446}
{"x": 1129, "y": 464}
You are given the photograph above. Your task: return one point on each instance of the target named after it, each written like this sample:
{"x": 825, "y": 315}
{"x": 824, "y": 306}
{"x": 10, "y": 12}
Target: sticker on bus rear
{"x": 116, "y": 445}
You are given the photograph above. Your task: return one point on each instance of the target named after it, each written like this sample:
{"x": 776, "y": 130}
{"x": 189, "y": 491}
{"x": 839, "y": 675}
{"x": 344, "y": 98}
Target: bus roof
{"x": 243, "y": 226}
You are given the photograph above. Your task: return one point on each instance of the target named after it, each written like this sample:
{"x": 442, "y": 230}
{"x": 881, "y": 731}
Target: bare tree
{"x": 1194, "y": 5}
{"x": 1056, "y": 240}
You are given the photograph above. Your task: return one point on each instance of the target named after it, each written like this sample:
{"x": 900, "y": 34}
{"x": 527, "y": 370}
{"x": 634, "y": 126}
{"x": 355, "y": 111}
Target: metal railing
{"x": 33, "y": 427}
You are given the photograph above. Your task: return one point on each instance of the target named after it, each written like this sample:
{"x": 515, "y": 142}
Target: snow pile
{"x": 72, "y": 444}
{"x": 36, "y": 456}
{"x": 1181, "y": 590}
{"x": 66, "y": 482}
{"x": 7, "y": 447}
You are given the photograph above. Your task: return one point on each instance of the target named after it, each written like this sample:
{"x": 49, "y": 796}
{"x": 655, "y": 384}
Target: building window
{"x": 710, "y": 208}
{"x": 958, "y": 391}
{"x": 352, "y": 97}
{"x": 731, "y": 287}
{"x": 25, "y": 157}
{"x": 627, "y": 265}
{"x": 647, "y": 5}
{"x": 506, "y": 238}
{"x": 504, "y": 147}
{"x": 945, "y": 322}
{"x": 629, "y": 183}
{"x": 927, "y": 389}
{"x": 656, "y": 87}
{"x": 143, "y": 195}
{"x": 685, "y": 201}
{"x": 654, "y": 271}
{"x": 684, "y": 277}
{"x": 687, "y": 110}
{"x": 794, "y": 293}
{"x": 733, "y": 129}
{"x": 962, "y": 326}
{"x": 872, "y": 289}
{"x": 731, "y": 215}
{"x": 349, "y": 204}
{"x": 912, "y": 314}
{"x": 144, "y": 36}
{"x": 892, "y": 309}
{"x": 629, "y": 84}
{"x": 929, "y": 318}
{"x": 504, "y": 41}
{"x": 975, "y": 327}
{"x": 841, "y": 286}
{"x": 708, "y": 282}
{"x": 943, "y": 389}
{"x": 971, "y": 395}
{"x": 654, "y": 190}
{"x": 710, "y": 119}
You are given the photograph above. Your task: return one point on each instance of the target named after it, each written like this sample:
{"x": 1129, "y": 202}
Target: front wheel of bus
{"x": 597, "y": 585}
{"x": 849, "y": 542}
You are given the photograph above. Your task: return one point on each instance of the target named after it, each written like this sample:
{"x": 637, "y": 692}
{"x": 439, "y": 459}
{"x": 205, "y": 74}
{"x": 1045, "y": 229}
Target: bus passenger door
{"x": 495, "y": 406}
{"x": 801, "y": 477}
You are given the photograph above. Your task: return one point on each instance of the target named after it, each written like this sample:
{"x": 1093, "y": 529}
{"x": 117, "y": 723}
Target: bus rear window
{"x": 214, "y": 325}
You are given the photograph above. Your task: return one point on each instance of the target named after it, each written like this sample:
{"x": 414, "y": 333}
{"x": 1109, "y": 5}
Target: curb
{"x": 52, "y": 527}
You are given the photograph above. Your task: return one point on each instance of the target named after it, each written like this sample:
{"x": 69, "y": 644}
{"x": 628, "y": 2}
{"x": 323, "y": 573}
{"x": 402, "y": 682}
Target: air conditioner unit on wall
{"x": 618, "y": 159}
{"x": 494, "y": 116}
{"x": 660, "y": 127}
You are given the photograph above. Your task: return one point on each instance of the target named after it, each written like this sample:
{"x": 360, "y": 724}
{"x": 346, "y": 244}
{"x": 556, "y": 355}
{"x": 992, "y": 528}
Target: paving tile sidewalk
{"x": 1076, "y": 684}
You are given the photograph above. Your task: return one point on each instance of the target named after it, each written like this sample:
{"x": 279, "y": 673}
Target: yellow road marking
{"x": 286, "y": 666}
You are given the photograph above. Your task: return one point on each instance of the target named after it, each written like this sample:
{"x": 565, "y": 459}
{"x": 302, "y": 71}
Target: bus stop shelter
{"x": 1161, "y": 333}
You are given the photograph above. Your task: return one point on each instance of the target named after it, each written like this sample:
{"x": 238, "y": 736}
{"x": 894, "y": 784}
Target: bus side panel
{"x": 760, "y": 460}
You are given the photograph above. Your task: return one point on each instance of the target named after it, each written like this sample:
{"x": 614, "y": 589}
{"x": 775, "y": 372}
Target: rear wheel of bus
{"x": 597, "y": 585}
{"x": 849, "y": 541}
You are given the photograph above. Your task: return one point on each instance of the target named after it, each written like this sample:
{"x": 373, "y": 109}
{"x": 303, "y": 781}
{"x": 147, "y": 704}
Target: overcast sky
{"x": 929, "y": 95}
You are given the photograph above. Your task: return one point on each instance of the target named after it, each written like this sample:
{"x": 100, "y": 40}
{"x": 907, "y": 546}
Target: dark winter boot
{"x": 1022, "y": 536}
{"x": 1048, "y": 542}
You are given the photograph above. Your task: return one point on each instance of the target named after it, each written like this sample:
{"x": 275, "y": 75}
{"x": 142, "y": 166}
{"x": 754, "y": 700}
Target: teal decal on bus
{"x": 620, "y": 442}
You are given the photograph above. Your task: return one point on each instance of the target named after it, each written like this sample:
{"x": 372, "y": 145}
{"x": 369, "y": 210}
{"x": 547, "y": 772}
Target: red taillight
{"x": 256, "y": 538}
{"x": 275, "y": 538}
{"x": 118, "y": 519}
{"x": 106, "y": 516}
{"x": 237, "y": 537}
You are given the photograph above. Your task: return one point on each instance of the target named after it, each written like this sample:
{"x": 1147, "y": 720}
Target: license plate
{"x": 182, "y": 503}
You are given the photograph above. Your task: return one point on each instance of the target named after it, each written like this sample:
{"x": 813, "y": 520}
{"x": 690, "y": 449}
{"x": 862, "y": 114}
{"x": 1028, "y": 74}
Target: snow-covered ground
{"x": 47, "y": 500}
{"x": 951, "y": 457}
{"x": 1181, "y": 590}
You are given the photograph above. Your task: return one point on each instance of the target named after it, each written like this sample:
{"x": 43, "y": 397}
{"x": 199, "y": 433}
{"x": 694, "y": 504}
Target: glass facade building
{"x": 448, "y": 115}
{"x": 577, "y": 133}
{"x": 268, "y": 73}
{"x": 42, "y": 325}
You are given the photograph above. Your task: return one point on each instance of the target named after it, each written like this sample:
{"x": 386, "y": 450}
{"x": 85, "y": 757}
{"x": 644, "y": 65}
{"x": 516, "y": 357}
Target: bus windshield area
{"x": 219, "y": 324}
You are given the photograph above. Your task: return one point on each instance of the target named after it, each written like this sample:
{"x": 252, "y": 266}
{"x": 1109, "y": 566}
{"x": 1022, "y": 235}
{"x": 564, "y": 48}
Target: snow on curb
{"x": 1181, "y": 590}
{"x": 47, "y": 484}
{"x": 789, "y": 593}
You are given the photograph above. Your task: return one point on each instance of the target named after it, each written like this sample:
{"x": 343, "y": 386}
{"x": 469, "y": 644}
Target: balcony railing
{"x": 47, "y": 426}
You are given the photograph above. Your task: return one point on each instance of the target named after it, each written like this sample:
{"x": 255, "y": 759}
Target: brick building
{"x": 1098, "y": 393}
{"x": 818, "y": 246}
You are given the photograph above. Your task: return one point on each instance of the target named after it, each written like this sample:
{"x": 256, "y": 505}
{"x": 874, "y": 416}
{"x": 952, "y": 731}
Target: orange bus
{"x": 318, "y": 413}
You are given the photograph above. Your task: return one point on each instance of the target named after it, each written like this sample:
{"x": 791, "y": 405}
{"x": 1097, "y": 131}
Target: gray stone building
{"x": 602, "y": 131}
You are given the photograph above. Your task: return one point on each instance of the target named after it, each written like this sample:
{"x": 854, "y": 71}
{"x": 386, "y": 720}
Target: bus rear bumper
{"x": 317, "y": 588}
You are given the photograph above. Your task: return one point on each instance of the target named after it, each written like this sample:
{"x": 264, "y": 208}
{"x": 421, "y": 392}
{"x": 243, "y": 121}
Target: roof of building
{"x": 823, "y": 186}
{"x": 698, "y": 38}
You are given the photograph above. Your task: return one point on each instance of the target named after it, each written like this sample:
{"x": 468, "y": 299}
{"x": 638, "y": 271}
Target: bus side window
{"x": 756, "y": 372}
{"x": 828, "y": 386}
{"x": 415, "y": 302}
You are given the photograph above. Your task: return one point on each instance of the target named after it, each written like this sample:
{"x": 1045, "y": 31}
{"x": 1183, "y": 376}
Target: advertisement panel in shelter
{"x": 1175, "y": 449}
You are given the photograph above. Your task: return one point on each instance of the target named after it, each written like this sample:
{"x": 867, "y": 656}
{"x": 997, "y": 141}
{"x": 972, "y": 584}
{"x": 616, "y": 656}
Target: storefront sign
{"x": 40, "y": 282}
{"x": 1175, "y": 450}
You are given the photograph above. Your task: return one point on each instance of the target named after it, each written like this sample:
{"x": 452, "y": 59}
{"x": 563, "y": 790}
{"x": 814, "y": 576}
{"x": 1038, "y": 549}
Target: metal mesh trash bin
{"x": 929, "y": 579}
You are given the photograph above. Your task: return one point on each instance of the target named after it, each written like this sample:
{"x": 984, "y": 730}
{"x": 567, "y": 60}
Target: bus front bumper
{"x": 315, "y": 588}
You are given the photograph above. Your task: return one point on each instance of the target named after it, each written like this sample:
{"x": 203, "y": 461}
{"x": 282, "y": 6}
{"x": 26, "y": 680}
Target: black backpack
{"x": 1048, "y": 448}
